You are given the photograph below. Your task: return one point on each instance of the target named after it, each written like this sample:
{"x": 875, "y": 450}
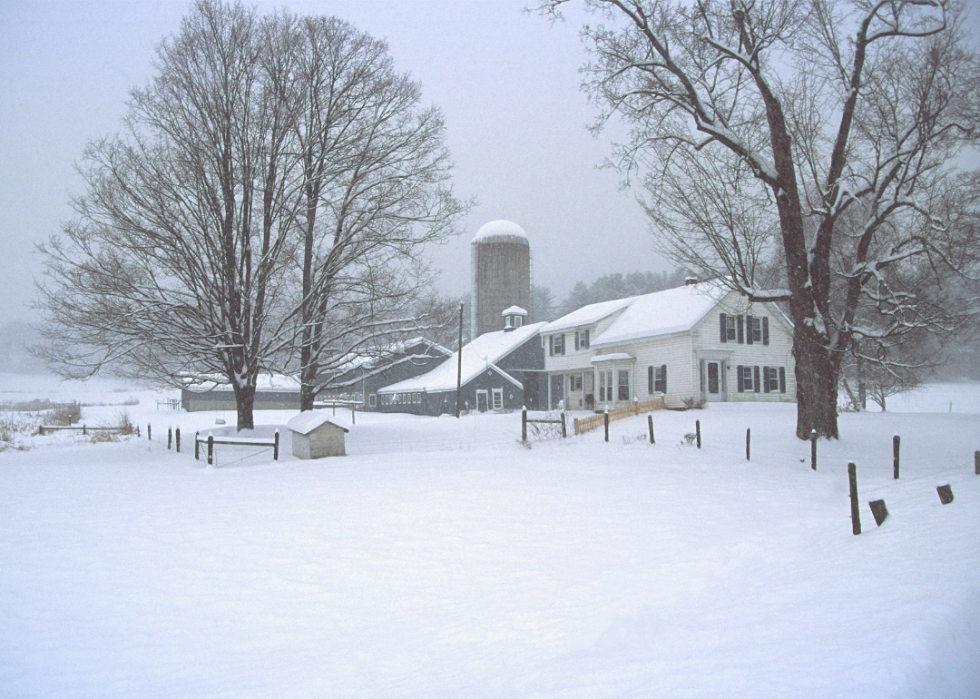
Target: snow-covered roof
{"x": 500, "y": 231}
{"x": 483, "y": 353}
{"x": 662, "y": 313}
{"x": 612, "y": 357}
{"x": 587, "y": 315}
{"x": 309, "y": 420}
{"x": 263, "y": 382}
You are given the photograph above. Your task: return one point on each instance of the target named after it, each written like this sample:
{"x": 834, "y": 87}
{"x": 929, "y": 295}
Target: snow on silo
{"x": 500, "y": 270}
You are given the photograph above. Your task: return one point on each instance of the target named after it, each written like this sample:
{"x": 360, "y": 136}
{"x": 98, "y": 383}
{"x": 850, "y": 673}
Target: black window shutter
{"x": 748, "y": 326}
{"x": 741, "y": 380}
{"x": 782, "y": 379}
{"x": 663, "y": 380}
{"x": 741, "y": 330}
{"x": 724, "y": 327}
{"x": 755, "y": 375}
{"x": 765, "y": 330}
{"x": 649, "y": 379}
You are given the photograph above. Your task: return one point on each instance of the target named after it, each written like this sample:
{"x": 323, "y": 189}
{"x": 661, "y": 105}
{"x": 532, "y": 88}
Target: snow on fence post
{"x": 197, "y": 446}
{"x": 275, "y": 448}
{"x": 524, "y": 424}
{"x": 748, "y": 444}
{"x": 896, "y": 451}
{"x": 210, "y": 450}
{"x": 813, "y": 449}
{"x": 564, "y": 429}
{"x": 605, "y": 421}
{"x": 177, "y": 438}
{"x": 855, "y": 511}
{"x": 697, "y": 431}
{"x": 650, "y": 426}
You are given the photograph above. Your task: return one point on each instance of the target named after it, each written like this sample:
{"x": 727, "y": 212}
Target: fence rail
{"x": 210, "y": 440}
{"x": 586, "y": 424}
{"x": 84, "y": 429}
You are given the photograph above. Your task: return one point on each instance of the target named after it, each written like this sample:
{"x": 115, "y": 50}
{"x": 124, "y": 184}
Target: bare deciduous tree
{"x": 760, "y": 126}
{"x": 232, "y": 217}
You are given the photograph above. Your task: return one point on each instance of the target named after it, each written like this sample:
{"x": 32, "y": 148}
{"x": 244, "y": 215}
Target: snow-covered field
{"x": 441, "y": 558}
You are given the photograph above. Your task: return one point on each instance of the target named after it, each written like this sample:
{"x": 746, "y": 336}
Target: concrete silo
{"x": 500, "y": 268}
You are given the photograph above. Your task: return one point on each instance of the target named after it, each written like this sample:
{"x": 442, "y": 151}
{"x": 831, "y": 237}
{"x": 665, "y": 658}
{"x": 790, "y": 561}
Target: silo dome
{"x": 500, "y": 231}
{"x": 500, "y": 257}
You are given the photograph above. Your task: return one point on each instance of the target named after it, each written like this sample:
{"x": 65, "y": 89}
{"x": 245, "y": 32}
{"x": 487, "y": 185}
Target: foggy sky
{"x": 506, "y": 81}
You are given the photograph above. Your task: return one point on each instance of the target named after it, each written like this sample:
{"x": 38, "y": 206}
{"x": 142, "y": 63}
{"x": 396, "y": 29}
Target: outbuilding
{"x": 315, "y": 436}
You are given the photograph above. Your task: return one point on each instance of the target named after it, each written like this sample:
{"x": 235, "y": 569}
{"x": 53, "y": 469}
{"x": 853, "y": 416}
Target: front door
{"x": 714, "y": 381}
{"x": 481, "y": 401}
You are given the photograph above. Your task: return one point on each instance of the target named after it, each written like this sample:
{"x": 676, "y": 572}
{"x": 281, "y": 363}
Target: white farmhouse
{"x": 695, "y": 342}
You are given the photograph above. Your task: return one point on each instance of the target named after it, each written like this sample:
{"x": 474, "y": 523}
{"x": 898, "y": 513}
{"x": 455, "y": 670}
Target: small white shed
{"x": 315, "y": 437}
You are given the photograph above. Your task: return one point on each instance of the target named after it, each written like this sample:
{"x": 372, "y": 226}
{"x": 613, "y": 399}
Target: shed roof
{"x": 309, "y": 420}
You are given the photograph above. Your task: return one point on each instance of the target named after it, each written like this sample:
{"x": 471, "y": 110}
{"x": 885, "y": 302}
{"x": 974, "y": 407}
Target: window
{"x": 744, "y": 379}
{"x": 581, "y": 339}
{"x": 774, "y": 379}
{"x": 373, "y": 400}
{"x": 755, "y": 329}
{"x": 749, "y": 379}
{"x": 557, "y": 346}
{"x": 624, "y": 384}
{"x": 661, "y": 383}
{"x": 498, "y": 398}
{"x": 575, "y": 382}
{"x": 728, "y": 327}
{"x": 605, "y": 386}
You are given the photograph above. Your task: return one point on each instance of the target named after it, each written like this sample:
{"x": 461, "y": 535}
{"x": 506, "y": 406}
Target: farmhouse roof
{"x": 663, "y": 313}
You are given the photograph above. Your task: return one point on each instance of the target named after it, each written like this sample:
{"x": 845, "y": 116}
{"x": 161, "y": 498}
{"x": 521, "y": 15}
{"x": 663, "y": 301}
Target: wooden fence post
{"x": 170, "y": 437}
{"x": 524, "y": 424}
{"x": 353, "y": 419}
{"x": 210, "y": 450}
{"x": 748, "y": 444}
{"x": 197, "y": 446}
{"x": 813, "y": 449}
{"x": 564, "y": 429}
{"x": 896, "y": 451}
{"x": 149, "y": 432}
{"x": 976, "y": 462}
{"x": 275, "y": 448}
{"x": 606, "y": 422}
{"x": 177, "y": 438}
{"x": 697, "y": 431}
{"x": 650, "y": 426}
{"x": 83, "y": 430}
{"x": 855, "y": 510}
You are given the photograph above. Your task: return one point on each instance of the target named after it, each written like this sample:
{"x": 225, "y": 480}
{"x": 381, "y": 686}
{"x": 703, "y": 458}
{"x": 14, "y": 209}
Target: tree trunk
{"x": 307, "y": 389}
{"x": 816, "y": 385}
{"x": 245, "y": 403}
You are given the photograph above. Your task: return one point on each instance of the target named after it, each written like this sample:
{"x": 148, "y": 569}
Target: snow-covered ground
{"x": 441, "y": 558}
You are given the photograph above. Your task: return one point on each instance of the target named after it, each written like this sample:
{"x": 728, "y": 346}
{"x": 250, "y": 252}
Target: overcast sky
{"x": 506, "y": 81}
